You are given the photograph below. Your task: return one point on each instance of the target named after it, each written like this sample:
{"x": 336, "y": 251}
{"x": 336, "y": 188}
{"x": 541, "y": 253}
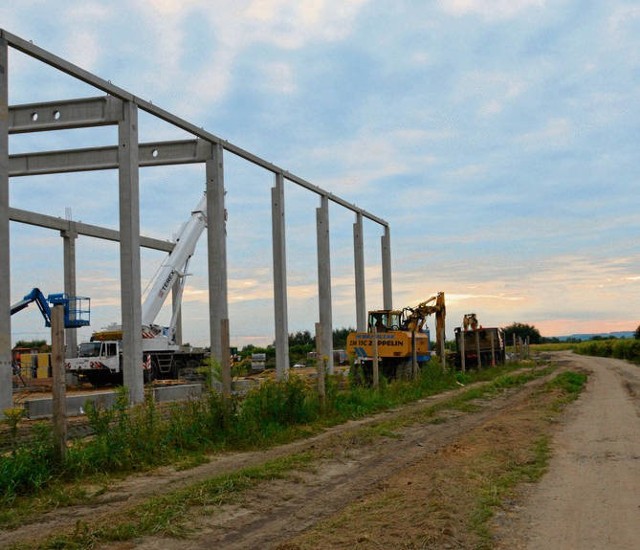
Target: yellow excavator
{"x": 401, "y": 338}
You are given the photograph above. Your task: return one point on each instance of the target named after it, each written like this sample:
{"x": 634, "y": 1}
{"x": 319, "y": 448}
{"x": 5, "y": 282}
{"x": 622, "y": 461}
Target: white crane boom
{"x": 174, "y": 265}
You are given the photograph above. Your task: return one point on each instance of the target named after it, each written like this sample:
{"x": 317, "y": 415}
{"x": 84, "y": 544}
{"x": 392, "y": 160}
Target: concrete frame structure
{"x": 120, "y": 108}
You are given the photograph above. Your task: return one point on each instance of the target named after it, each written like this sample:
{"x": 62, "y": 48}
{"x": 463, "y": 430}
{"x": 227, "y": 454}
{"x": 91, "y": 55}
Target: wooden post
{"x": 493, "y": 351}
{"x": 463, "y": 353}
{"x": 320, "y": 364}
{"x": 414, "y": 356}
{"x": 375, "y": 364}
{"x": 442, "y": 350}
{"x": 225, "y": 358}
{"x": 59, "y": 397}
{"x": 520, "y": 354}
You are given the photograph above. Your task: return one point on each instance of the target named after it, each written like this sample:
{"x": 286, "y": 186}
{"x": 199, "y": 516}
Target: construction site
{"x": 138, "y": 350}
{"x": 122, "y": 426}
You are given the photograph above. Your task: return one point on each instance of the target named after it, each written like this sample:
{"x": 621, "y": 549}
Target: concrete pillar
{"x": 69, "y": 252}
{"x": 386, "y": 269}
{"x": 217, "y": 251}
{"x": 280, "y": 278}
{"x": 358, "y": 255}
{"x": 130, "y": 285}
{"x": 6, "y": 391}
{"x": 324, "y": 280}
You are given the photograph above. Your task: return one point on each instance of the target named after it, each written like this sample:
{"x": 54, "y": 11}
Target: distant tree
{"x": 636, "y": 334}
{"x": 522, "y": 330}
{"x": 301, "y": 338}
{"x": 40, "y": 345}
{"x": 340, "y": 337}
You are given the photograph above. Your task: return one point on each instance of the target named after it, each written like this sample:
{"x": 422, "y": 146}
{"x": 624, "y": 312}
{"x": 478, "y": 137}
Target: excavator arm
{"x": 416, "y": 317}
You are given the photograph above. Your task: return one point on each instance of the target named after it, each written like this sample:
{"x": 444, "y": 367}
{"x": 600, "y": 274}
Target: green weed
{"x": 144, "y": 436}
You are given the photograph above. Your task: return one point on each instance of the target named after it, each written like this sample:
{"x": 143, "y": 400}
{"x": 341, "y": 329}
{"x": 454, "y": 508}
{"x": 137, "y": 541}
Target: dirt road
{"x": 590, "y": 498}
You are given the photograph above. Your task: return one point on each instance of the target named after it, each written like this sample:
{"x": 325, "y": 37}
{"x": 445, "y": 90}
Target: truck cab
{"x": 98, "y": 361}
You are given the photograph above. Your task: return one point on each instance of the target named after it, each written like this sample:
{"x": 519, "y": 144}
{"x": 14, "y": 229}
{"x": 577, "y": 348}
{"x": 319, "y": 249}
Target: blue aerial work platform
{"x": 77, "y": 309}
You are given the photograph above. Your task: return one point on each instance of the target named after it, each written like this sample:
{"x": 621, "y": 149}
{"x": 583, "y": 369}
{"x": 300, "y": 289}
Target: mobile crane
{"x": 100, "y": 360}
{"x": 398, "y": 334}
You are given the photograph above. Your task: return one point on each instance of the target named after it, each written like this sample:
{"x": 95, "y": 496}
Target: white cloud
{"x": 294, "y": 23}
{"x": 493, "y": 90}
{"x": 279, "y": 78}
{"x": 172, "y": 8}
{"x": 621, "y": 19}
{"x": 469, "y": 172}
{"x": 375, "y": 154}
{"x": 236, "y": 27}
{"x": 83, "y": 45}
{"x": 556, "y": 133}
{"x": 490, "y": 9}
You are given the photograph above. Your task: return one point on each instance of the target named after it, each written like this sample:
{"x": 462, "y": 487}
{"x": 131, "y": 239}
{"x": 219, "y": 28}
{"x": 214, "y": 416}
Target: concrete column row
{"x": 128, "y": 164}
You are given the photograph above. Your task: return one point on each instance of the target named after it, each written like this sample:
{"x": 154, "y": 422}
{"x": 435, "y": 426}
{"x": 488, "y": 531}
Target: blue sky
{"x": 497, "y": 137}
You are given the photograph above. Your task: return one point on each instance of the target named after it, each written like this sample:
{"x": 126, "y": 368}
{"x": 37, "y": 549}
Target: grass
{"x": 140, "y": 438}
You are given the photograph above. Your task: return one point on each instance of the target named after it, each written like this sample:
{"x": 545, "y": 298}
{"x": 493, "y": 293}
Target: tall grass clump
{"x": 275, "y": 406}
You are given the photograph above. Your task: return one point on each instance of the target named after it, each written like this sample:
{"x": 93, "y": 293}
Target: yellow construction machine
{"x": 401, "y": 339}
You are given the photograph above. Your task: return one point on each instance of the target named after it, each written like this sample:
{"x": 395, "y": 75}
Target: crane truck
{"x": 400, "y": 335}
{"x": 99, "y": 361}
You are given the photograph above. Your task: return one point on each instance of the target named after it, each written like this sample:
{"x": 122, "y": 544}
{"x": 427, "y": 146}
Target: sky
{"x": 498, "y": 138}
